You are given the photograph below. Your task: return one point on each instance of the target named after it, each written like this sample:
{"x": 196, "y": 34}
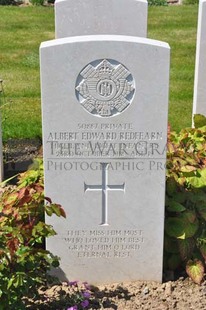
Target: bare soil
{"x": 182, "y": 294}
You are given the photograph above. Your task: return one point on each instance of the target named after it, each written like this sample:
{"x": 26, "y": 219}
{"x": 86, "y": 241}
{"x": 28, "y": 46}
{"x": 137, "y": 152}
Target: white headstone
{"x": 105, "y": 103}
{"x": 91, "y": 17}
{"x": 199, "y": 102}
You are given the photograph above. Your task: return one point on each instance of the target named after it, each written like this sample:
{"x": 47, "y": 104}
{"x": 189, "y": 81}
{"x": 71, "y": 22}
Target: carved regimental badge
{"x": 105, "y": 88}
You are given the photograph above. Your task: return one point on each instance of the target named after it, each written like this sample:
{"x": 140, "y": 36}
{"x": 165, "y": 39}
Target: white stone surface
{"x": 91, "y": 17}
{"x": 106, "y": 167}
{"x": 199, "y": 102}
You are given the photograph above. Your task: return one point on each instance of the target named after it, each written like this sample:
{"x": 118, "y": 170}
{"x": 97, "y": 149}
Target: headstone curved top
{"x": 91, "y": 17}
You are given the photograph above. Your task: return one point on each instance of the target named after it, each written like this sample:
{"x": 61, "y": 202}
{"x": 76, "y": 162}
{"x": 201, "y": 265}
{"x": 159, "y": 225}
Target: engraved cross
{"x": 104, "y": 188}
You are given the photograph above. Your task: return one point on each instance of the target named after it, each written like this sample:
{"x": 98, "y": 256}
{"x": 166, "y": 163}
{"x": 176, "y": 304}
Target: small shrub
{"x": 199, "y": 120}
{"x": 185, "y": 225}
{"x": 23, "y": 262}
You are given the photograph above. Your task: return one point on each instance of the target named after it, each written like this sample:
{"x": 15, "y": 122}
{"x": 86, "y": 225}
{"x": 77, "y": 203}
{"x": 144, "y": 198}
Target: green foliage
{"x": 185, "y": 225}
{"x": 157, "y": 2}
{"x": 23, "y": 261}
{"x": 199, "y": 120}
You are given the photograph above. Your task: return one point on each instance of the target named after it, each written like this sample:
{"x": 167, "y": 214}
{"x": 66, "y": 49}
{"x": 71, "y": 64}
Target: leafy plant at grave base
{"x": 199, "y": 120}
{"x": 185, "y": 225}
{"x": 23, "y": 262}
{"x": 157, "y": 2}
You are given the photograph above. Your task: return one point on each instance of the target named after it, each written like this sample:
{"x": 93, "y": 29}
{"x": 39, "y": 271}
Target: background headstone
{"x": 105, "y": 103}
{"x": 90, "y": 17}
{"x": 199, "y": 102}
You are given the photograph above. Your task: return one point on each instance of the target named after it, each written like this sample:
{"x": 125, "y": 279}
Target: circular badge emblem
{"x": 105, "y": 88}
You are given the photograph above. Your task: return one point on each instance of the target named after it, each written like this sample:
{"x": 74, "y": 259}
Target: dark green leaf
{"x": 186, "y": 247}
{"x": 174, "y": 261}
{"x": 189, "y": 215}
{"x": 201, "y": 208}
{"x": 170, "y": 245}
{"x": 171, "y": 186}
{"x": 180, "y": 227}
{"x": 174, "y": 206}
{"x": 174, "y": 227}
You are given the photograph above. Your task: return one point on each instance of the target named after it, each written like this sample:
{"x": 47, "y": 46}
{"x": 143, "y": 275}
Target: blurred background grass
{"x": 22, "y": 29}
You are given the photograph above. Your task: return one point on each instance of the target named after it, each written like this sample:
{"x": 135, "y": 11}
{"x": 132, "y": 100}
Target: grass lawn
{"x": 22, "y": 29}
{"x": 177, "y": 25}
